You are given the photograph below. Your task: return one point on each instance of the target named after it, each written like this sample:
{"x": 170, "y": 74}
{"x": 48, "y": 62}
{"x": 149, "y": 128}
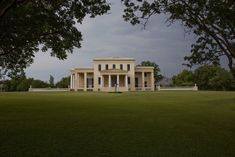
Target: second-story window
{"x": 114, "y": 66}
{"x": 106, "y": 67}
{"x": 128, "y": 67}
{"x": 121, "y": 66}
{"x": 99, "y": 67}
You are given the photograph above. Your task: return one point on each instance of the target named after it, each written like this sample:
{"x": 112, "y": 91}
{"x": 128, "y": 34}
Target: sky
{"x": 110, "y": 36}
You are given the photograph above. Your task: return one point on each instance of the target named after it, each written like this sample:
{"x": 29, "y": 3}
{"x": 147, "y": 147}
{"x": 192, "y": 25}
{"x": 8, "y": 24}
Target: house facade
{"x": 113, "y": 74}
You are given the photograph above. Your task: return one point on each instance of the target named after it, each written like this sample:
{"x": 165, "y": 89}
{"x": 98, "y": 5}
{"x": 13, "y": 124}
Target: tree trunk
{"x": 231, "y": 66}
{"x": 5, "y": 5}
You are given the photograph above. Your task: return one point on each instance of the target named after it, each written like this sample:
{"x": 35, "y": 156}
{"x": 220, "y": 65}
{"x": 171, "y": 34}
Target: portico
{"x": 113, "y": 80}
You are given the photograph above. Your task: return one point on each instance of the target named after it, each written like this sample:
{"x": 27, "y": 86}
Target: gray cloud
{"x": 109, "y": 35}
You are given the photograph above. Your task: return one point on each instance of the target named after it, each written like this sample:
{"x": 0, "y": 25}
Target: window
{"x": 106, "y": 66}
{"x": 136, "y": 82}
{"x": 145, "y": 84}
{"x": 129, "y": 80}
{"x": 145, "y": 74}
{"x": 99, "y": 80}
{"x": 121, "y": 66}
{"x": 114, "y": 66}
{"x": 99, "y": 67}
{"x": 128, "y": 67}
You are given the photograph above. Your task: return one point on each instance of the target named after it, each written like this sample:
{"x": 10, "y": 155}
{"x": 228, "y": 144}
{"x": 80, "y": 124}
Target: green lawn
{"x": 152, "y": 124}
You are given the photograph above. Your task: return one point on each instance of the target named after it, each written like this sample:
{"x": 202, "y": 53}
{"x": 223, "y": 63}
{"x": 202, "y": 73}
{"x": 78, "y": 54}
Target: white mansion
{"x": 113, "y": 74}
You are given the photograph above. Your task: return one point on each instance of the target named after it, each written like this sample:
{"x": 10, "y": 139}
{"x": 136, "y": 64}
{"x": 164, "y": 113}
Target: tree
{"x": 213, "y": 78}
{"x": 211, "y": 20}
{"x": 51, "y": 81}
{"x": 29, "y": 26}
{"x": 157, "y": 76}
{"x": 23, "y": 84}
{"x": 185, "y": 78}
{"x": 39, "y": 84}
{"x": 5, "y": 5}
{"x": 63, "y": 83}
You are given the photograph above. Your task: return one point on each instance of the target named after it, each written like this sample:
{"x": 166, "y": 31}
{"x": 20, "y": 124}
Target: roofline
{"x": 81, "y": 69}
{"x": 114, "y": 59}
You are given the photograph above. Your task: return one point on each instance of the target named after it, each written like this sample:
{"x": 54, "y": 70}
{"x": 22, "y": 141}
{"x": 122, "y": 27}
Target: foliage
{"x": 185, "y": 78}
{"x": 157, "y": 75}
{"x": 211, "y": 20}
{"x": 207, "y": 77}
{"x": 212, "y": 77}
{"x": 23, "y": 84}
{"x": 29, "y": 26}
{"x": 63, "y": 83}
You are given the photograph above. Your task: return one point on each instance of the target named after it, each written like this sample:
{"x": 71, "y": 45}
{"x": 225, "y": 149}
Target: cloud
{"x": 109, "y": 35}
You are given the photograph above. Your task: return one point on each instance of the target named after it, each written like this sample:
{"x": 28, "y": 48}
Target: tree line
{"x": 207, "y": 77}
{"x": 23, "y": 83}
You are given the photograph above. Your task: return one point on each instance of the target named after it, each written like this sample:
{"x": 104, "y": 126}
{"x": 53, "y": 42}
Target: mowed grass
{"x": 138, "y": 124}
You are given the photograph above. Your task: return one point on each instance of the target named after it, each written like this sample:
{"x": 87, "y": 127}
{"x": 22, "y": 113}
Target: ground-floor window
{"x": 145, "y": 84}
{"x": 99, "y": 80}
{"x": 136, "y": 82}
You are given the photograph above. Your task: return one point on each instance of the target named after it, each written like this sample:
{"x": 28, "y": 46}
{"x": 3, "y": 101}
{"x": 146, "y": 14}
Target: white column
{"x": 71, "y": 81}
{"x": 143, "y": 88}
{"x": 152, "y": 81}
{"x": 85, "y": 82}
{"x": 75, "y": 82}
{"x": 126, "y": 82}
{"x": 109, "y": 81}
{"x": 117, "y": 80}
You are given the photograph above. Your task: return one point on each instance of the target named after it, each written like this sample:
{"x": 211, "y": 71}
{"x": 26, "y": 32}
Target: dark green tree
{"x": 157, "y": 75}
{"x": 29, "y": 26}
{"x": 63, "y": 83}
{"x": 24, "y": 84}
{"x": 211, "y": 20}
{"x": 185, "y": 78}
{"x": 39, "y": 84}
{"x": 211, "y": 77}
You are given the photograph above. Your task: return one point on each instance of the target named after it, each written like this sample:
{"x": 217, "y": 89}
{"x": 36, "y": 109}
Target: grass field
{"x": 152, "y": 124}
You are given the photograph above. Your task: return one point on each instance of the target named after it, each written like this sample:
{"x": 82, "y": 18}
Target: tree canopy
{"x": 157, "y": 75}
{"x": 213, "y": 77}
{"x": 211, "y": 20}
{"x": 185, "y": 78}
{"x": 207, "y": 77}
{"x": 29, "y": 26}
{"x": 63, "y": 83}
